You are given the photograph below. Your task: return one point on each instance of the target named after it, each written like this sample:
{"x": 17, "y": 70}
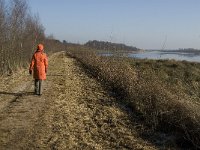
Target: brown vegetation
{"x": 70, "y": 115}
{"x": 20, "y": 32}
{"x": 161, "y": 105}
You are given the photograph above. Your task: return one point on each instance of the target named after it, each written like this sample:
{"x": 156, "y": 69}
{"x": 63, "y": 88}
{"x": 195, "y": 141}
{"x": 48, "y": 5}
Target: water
{"x": 192, "y": 57}
{"x": 153, "y": 54}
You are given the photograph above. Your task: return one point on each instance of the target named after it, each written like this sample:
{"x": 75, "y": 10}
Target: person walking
{"x": 38, "y": 67}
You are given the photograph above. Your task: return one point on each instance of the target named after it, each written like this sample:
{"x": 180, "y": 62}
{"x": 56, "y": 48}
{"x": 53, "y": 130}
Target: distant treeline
{"x": 101, "y": 45}
{"x": 189, "y": 50}
{"x": 20, "y": 32}
{"x": 185, "y": 50}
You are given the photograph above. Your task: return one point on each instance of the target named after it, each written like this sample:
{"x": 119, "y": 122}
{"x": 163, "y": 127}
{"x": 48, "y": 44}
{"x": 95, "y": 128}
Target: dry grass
{"x": 163, "y": 104}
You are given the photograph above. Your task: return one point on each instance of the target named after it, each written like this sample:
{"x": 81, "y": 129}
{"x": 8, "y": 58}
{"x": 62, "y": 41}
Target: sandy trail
{"x": 74, "y": 112}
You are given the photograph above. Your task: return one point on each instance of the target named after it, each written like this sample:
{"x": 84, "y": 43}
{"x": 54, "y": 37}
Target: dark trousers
{"x": 38, "y": 86}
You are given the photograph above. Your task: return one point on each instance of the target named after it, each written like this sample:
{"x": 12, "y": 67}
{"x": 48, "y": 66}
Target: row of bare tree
{"x": 20, "y": 32}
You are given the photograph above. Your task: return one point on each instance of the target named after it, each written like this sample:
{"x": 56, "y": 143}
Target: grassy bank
{"x": 163, "y": 93}
{"x": 180, "y": 77}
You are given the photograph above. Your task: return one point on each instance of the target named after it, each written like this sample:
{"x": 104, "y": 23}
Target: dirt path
{"x": 74, "y": 112}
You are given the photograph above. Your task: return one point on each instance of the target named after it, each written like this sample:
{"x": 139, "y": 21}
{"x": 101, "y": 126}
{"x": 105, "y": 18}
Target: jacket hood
{"x": 40, "y": 47}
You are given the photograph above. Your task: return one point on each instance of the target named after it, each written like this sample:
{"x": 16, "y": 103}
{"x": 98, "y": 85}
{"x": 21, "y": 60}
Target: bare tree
{"x": 20, "y": 32}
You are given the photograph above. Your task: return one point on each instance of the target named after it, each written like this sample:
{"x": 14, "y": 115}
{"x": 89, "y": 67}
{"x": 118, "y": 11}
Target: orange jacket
{"x": 39, "y": 65}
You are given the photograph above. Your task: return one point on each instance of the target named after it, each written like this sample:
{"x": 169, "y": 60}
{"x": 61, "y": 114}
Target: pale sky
{"x": 146, "y": 24}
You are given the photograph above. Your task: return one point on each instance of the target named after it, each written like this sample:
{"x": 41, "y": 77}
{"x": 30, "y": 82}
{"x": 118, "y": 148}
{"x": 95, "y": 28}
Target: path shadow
{"x": 16, "y": 94}
{"x": 54, "y": 75}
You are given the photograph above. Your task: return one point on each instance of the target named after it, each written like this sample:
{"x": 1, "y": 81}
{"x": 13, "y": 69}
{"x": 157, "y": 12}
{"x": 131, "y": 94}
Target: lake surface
{"x": 153, "y": 54}
{"x": 192, "y": 57}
